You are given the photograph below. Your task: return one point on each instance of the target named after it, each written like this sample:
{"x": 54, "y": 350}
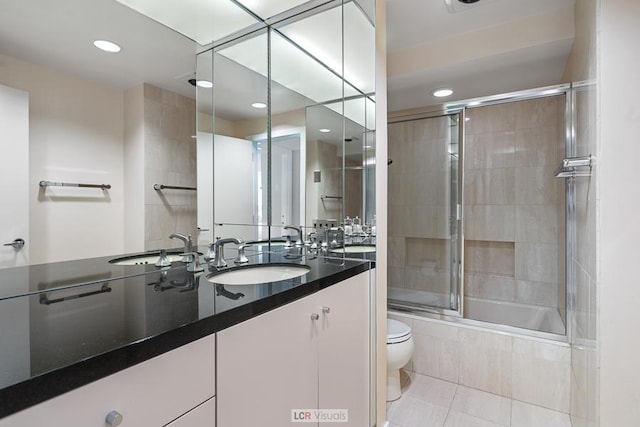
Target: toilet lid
{"x": 397, "y": 331}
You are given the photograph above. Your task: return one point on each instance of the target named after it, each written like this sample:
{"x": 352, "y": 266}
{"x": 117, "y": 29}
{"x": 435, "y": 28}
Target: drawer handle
{"x": 114, "y": 418}
{"x": 315, "y": 316}
{"x": 326, "y": 310}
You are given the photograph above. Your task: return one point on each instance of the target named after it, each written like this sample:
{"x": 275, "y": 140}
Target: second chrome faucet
{"x": 219, "y": 250}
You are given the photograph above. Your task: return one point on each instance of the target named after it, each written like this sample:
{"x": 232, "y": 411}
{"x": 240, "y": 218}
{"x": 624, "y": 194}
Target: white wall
{"x": 134, "y": 157}
{"x": 232, "y": 162}
{"x": 14, "y": 175}
{"x": 619, "y": 292}
{"x": 76, "y": 135}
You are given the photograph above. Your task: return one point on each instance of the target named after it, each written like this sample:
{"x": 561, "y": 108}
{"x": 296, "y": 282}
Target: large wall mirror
{"x": 211, "y": 121}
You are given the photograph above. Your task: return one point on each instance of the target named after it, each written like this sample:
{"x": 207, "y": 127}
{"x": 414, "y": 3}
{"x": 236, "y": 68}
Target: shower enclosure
{"x": 477, "y": 223}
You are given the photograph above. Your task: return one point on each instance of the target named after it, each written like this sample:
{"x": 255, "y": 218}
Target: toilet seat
{"x": 397, "y": 332}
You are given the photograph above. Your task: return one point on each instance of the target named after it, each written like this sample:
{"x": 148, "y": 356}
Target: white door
{"x": 14, "y": 176}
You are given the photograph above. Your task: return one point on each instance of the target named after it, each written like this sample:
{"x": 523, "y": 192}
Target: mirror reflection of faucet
{"x": 300, "y": 239}
{"x": 188, "y": 243}
{"x": 221, "y": 291}
{"x": 189, "y": 282}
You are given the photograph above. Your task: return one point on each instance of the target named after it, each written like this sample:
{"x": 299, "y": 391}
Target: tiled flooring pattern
{"x": 430, "y": 402}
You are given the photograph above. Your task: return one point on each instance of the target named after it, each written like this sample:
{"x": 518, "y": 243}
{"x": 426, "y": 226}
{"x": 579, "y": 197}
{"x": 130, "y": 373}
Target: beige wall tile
{"x": 494, "y": 186}
{"x": 428, "y": 279}
{"x": 491, "y": 119}
{"x": 537, "y": 223}
{"x": 539, "y": 146}
{"x": 426, "y": 222}
{"x": 429, "y": 253}
{"x": 436, "y": 329}
{"x": 395, "y": 277}
{"x": 435, "y": 356}
{"x": 490, "y": 150}
{"x": 536, "y": 262}
{"x": 538, "y": 113}
{"x": 396, "y": 251}
{"x": 486, "y": 361}
{"x": 537, "y": 185}
{"x": 490, "y": 286}
{"x": 537, "y": 293}
{"x": 496, "y": 258}
{"x": 541, "y": 374}
{"x": 490, "y": 222}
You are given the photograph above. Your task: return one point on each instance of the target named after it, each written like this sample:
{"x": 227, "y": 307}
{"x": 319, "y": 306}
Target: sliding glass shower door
{"x": 424, "y": 214}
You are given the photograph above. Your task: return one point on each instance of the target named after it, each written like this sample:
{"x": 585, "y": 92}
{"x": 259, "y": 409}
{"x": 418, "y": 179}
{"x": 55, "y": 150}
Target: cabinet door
{"x": 201, "y": 416}
{"x": 344, "y": 349}
{"x": 152, "y": 393}
{"x": 268, "y": 366}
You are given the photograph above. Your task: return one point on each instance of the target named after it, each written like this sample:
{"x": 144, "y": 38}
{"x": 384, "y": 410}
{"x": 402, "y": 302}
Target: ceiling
{"x": 487, "y": 48}
{"x": 59, "y": 34}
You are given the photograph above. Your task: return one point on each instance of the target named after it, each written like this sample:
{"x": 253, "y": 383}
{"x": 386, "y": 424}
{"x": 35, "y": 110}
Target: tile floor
{"x": 430, "y": 402}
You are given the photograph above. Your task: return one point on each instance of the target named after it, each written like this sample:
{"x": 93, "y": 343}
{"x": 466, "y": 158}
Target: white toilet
{"x": 399, "y": 352}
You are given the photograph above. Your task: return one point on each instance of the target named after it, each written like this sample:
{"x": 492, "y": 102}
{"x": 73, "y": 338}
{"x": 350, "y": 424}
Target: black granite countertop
{"x": 67, "y": 324}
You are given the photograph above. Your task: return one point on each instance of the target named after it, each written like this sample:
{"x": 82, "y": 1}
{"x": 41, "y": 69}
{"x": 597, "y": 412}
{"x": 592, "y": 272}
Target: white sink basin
{"x": 355, "y": 249}
{"x": 251, "y": 275}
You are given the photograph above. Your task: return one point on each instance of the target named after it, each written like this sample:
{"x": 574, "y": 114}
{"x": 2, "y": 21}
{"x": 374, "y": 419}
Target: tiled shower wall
{"x": 170, "y": 159}
{"x": 513, "y": 205}
{"x": 419, "y": 205}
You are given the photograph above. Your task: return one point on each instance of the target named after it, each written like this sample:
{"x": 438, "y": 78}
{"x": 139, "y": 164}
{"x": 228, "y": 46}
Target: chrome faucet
{"x": 187, "y": 244}
{"x": 300, "y": 241}
{"x": 219, "y": 250}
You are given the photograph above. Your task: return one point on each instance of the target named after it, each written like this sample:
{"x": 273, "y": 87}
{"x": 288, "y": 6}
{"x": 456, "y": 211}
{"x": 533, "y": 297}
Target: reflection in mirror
{"x": 128, "y": 119}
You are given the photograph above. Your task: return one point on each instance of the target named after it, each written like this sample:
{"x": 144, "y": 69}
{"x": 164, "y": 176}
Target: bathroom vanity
{"x": 158, "y": 347}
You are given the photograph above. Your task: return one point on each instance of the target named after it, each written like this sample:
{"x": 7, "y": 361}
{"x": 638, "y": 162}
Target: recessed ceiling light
{"x": 324, "y": 130}
{"x": 368, "y": 146}
{"x": 442, "y": 92}
{"x": 107, "y": 46}
{"x": 205, "y": 84}
{"x": 259, "y": 105}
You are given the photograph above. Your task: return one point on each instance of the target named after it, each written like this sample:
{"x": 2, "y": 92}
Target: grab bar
{"x": 44, "y": 299}
{"x": 568, "y": 168}
{"x": 159, "y": 187}
{"x": 69, "y": 184}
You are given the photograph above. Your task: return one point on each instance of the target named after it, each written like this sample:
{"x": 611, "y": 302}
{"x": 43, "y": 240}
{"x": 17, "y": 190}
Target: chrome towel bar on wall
{"x": 159, "y": 187}
{"x": 45, "y": 184}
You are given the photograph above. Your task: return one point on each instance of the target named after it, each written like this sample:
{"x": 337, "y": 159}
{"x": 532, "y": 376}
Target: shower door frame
{"x": 460, "y": 107}
{"x": 456, "y": 293}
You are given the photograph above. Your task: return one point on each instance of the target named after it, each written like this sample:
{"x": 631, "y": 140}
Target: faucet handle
{"x": 194, "y": 262}
{"x": 241, "y": 258}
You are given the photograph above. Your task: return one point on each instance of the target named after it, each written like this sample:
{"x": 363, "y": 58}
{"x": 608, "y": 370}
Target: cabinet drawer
{"x": 152, "y": 393}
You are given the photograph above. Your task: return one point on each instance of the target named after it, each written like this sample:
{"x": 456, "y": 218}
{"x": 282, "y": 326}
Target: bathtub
{"x": 507, "y": 316}
{"x": 531, "y": 317}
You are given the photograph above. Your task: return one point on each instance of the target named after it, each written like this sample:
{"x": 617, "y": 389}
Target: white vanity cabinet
{"x": 176, "y": 387}
{"x": 309, "y": 354}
